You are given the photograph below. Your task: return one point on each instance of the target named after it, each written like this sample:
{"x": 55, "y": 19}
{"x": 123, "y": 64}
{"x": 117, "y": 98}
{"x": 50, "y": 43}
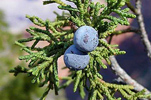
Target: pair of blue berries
{"x": 85, "y": 40}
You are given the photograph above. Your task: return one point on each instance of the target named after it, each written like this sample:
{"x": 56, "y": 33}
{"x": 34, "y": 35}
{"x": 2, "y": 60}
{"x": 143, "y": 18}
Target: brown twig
{"x": 130, "y": 6}
{"x": 144, "y": 35}
{"x": 141, "y": 24}
{"x": 129, "y": 29}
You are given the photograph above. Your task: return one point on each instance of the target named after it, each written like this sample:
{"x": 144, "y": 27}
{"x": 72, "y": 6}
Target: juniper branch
{"x": 43, "y": 61}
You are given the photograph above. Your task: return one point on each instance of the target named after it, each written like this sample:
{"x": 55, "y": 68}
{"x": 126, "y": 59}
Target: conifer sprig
{"x": 43, "y": 66}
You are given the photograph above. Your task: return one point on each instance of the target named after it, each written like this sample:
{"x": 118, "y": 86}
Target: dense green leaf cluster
{"x": 43, "y": 66}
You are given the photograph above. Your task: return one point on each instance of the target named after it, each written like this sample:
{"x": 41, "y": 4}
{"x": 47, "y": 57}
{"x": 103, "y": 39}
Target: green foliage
{"x": 42, "y": 65}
